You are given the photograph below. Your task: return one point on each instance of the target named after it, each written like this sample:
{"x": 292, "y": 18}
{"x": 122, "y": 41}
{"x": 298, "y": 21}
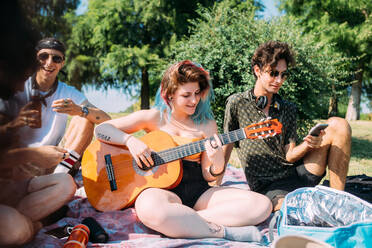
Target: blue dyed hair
{"x": 181, "y": 73}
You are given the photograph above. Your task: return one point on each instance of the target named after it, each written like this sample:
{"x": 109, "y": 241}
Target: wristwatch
{"x": 84, "y": 111}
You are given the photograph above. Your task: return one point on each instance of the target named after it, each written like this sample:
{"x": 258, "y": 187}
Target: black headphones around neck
{"x": 262, "y": 101}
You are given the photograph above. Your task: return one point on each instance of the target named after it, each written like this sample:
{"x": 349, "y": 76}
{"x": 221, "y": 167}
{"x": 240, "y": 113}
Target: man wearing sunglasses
{"x": 58, "y": 101}
{"x": 277, "y": 165}
{"x": 24, "y": 203}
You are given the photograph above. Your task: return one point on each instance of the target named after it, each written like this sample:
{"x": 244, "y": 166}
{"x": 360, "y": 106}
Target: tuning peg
{"x": 263, "y": 119}
{"x": 268, "y": 118}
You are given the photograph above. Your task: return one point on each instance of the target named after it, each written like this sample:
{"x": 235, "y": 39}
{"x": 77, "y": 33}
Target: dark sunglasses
{"x": 275, "y": 74}
{"x": 55, "y": 58}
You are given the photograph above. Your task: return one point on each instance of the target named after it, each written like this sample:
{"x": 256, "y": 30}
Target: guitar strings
{"x": 179, "y": 152}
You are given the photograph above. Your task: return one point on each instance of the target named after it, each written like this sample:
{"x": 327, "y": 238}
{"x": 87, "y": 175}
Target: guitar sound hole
{"x": 144, "y": 172}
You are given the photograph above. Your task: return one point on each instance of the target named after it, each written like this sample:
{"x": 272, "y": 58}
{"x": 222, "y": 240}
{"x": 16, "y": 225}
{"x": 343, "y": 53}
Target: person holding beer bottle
{"x": 39, "y": 114}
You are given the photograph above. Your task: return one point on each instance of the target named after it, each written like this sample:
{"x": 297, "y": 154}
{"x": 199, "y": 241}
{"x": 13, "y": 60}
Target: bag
{"x": 359, "y": 185}
{"x": 333, "y": 216}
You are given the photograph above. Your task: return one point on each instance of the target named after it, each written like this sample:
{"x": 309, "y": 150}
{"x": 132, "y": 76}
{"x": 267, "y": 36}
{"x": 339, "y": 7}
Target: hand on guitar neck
{"x": 129, "y": 180}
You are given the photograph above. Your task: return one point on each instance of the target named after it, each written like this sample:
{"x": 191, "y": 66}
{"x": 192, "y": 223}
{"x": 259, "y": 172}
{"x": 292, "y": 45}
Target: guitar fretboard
{"x": 182, "y": 151}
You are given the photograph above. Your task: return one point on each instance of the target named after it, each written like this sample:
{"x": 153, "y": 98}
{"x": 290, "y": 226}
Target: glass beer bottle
{"x": 35, "y": 104}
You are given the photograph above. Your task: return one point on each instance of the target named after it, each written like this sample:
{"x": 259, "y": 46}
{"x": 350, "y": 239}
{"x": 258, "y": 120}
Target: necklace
{"x": 181, "y": 126}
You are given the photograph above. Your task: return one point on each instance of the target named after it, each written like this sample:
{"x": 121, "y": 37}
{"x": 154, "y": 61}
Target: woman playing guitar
{"x": 192, "y": 209}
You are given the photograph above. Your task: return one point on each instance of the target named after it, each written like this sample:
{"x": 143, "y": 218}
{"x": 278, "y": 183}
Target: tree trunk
{"x": 145, "y": 89}
{"x": 333, "y": 104}
{"x": 353, "y": 109}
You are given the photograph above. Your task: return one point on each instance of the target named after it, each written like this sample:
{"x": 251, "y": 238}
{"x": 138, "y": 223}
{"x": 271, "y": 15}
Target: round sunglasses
{"x": 55, "y": 58}
{"x": 275, "y": 74}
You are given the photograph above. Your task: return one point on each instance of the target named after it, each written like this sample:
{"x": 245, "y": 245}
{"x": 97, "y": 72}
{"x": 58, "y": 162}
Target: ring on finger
{"x": 65, "y": 100}
{"x": 214, "y": 145}
{"x": 65, "y": 104}
{"x": 64, "y": 156}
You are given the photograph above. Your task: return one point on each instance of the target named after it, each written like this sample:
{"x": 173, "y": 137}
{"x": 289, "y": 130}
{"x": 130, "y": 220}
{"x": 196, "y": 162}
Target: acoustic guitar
{"x": 113, "y": 180}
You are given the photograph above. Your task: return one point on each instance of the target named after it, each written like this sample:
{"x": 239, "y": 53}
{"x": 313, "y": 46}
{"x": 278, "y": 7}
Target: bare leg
{"x": 15, "y": 228}
{"x": 214, "y": 209}
{"x": 229, "y": 206}
{"x": 77, "y": 138}
{"x": 79, "y": 134}
{"x": 46, "y": 195}
{"x": 334, "y": 151}
{"x": 163, "y": 211}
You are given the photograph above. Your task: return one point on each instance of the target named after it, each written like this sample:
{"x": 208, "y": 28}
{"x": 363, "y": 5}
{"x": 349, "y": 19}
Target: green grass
{"x": 361, "y": 148}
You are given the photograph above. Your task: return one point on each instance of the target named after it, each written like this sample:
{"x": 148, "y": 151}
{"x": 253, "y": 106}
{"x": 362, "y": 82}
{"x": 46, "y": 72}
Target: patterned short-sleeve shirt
{"x": 263, "y": 159}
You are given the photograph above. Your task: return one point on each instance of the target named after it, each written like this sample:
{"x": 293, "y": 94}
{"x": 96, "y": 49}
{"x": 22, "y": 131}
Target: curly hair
{"x": 270, "y": 52}
{"x": 179, "y": 74}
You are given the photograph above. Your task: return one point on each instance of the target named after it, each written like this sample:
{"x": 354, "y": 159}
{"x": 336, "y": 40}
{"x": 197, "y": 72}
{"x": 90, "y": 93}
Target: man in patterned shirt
{"x": 277, "y": 165}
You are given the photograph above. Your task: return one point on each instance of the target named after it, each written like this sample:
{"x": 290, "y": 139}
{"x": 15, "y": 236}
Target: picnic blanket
{"x": 125, "y": 230}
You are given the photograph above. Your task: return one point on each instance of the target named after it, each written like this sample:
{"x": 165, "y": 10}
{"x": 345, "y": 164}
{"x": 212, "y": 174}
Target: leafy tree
{"x": 121, "y": 43}
{"x": 348, "y": 24}
{"x": 224, "y": 39}
{"x": 48, "y": 16}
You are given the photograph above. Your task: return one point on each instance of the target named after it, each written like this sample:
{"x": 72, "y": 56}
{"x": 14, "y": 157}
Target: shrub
{"x": 224, "y": 39}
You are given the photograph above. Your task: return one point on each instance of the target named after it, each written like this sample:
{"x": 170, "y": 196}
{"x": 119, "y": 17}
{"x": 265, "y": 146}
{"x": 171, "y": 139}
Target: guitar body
{"x": 130, "y": 179}
{"x": 117, "y": 184}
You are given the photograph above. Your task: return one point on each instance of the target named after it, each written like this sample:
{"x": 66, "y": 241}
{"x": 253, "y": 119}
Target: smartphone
{"x": 315, "y": 131}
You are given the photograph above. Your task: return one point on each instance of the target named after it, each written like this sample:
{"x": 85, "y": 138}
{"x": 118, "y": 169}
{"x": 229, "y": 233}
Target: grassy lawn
{"x": 361, "y": 150}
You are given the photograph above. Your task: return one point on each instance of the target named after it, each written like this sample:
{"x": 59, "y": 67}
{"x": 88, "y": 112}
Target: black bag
{"x": 359, "y": 185}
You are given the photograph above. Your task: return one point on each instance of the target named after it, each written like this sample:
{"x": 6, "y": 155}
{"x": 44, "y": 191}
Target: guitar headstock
{"x": 263, "y": 129}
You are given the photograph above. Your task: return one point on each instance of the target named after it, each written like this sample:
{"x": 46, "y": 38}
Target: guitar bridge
{"x": 110, "y": 172}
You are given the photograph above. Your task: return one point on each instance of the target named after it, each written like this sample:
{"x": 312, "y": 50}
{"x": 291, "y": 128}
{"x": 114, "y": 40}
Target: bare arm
{"x": 44, "y": 156}
{"x": 108, "y": 133}
{"x": 294, "y": 153}
{"x": 213, "y": 161}
{"x": 26, "y": 117}
{"x": 67, "y": 106}
{"x": 227, "y": 149}
{"x": 118, "y": 132}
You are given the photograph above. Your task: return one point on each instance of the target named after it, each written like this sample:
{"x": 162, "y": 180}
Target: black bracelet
{"x": 216, "y": 175}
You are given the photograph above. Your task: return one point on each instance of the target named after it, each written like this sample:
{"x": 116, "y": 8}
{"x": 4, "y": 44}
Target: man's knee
{"x": 66, "y": 186}
{"x": 15, "y": 228}
{"x": 339, "y": 126}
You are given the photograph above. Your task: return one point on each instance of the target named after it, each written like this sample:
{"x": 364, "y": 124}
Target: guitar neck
{"x": 186, "y": 150}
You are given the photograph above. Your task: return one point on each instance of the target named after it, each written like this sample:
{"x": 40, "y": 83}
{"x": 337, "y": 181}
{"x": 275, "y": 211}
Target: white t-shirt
{"x": 53, "y": 123}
